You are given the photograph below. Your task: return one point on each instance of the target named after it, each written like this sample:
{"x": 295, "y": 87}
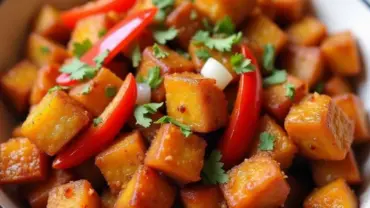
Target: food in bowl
{"x": 154, "y": 103}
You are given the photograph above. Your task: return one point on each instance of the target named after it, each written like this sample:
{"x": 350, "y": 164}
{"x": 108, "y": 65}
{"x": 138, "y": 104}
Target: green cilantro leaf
{"x": 136, "y": 56}
{"x": 79, "y": 49}
{"x": 203, "y": 54}
{"x": 102, "y": 32}
{"x": 87, "y": 89}
{"x": 164, "y": 6}
{"x": 183, "y": 53}
{"x": 220, "y": 44}
{"x": 241, "y": 64}
{"x": 213, "y": 172}
{"x": 186, "y": 130}
{"x": 277, "y": 77}
{"x": 158, "y": 52}
{"x": 319, "y": 88}
{"x": 44, "y": 50}
{"x": 97, "y": 121}
{"x": 154, "y": 78}
{"x": 269, "y": 58}
{"x": 142, "y": 111}
{"x": 110, "y": 91}
{"x": 193, "y": 15}
{"x": 99, "y": 60}
{"x": 267, "y": 141}
{"x": 57, "y": 88}
{"x": 201, "y": 37}
{"x": 224, "y": 26}
{"x": 289, "y": 91}
{"x": 78, "y": 70}
{"x": 162, "y": 36}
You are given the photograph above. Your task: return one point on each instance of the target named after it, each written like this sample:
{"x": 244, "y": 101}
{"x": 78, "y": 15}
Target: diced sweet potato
{"x": 21, "y": 161}
{"x": 146, "y": 189}
{"x": 150, "y": 132}
{"x": 177, "y": 156}
{"x": 17, "y": 83}
{"x": 108, "y": 199}
{"x": 337, "y": 86}
{"x": 17, "y": 132}
{"x": 119, "y": 162}
{"x": 45, "y": 80}
{"x": 267, "y": 7}
{"x": 100, "y": 91}
{"x": 289, "y": 10}
{"x": 305, "y": 63}
{"x": 284, "y": 148}
{"x": 257, "y": 182}
{"x": 42, "y": 51}
{"x": 335, "y": 194}
{"x": 195, "y": 101}
{"x": 353, "y": 107}
{"x": 74, "y": 194}
{"x": 307, "y": 32}
{"x": 90, "y": 172}
{"x": 202, "y": 197}
{"x": 276, "y": 101}
{"x": 320, "y": 128}
{"x": 341, "y": 54}
{"x": 54, "y": 122}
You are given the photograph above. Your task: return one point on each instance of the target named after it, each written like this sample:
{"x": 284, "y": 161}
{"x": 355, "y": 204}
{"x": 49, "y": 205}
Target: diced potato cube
{"x": 290, "y": 10}
{"x": 276, "y": 101}
{"x": 177, "y": 156}
{"x": 21, "y": 161}
{"x": 17, "y": 83}
{"x": 305, "y": 63}
{"x": 320, "y": 128}
{"x": 284, "y": 148}
{"x": 108, "y": 199}
{"x": 90, "y": 172}
{"x": 74, "y": 194}
{"x": 100, "y": 91}
{"x": 150, "y": 132}
{"x": 119, "y": 162}
{"x": 257, "y": 182}
{"x": 17, "y": 132}
{"x": 341, "y": 54}
{"x": 54, "y": 122}
{"x": 195, "y": 101}
{"x": 146, "y": 189}
{"x": 42, "y": 51}
{"x": 307, "y": 32}
{"x": 354, "y": 108}
{"x": 335, "y": 194}
{"x": 202, "y": 197}
{"x": 267, "y": 7}
{"x": 337, "y": 86}
{"x": 45, "y": 80}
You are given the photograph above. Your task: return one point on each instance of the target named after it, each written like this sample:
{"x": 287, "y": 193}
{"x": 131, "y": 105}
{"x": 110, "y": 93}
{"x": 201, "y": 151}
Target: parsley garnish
{"x": 162, "y": 36}
{"x": 158, "y": 52}
{"x": 225, "y": 26}
{"x": 99, "y": 59}
{"x": 289, "y": 90}
{"x": 277, "y": 77}
{"x": 269, "y": 58}
{"x": 203, "y": 54}
{"x": 241, "y": 64}
{"x": 154, "y": 78}
{"x": 267, "y": 141}
{"x": 213, "y": 172}
{"x": 220, "y": 44}
{"x": 110, "y": 91}
{"x": 142, "y": 111}
{"x": 87, "y": 89}
{"x": 102, "y": 32}
{"x": 186, "y": 130}
{"x": 57, "y": 88}
{"x": 44, "y": 50}
{"x": 164, "y": 6}
{"x": 319, "y": 88}
{"x": 79, "y": 49}
{"x": 193, "y": 15}
{"x": 136, "y": 56}
{"x": 97, "y": 121}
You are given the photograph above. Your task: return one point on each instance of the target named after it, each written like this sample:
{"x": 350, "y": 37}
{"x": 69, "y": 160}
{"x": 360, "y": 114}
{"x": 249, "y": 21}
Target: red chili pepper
{"x": 118, "y": 38}
{"x": 72, "y": 16}
{"x": 95, "y": 138}
{"x": 234, "y": 144}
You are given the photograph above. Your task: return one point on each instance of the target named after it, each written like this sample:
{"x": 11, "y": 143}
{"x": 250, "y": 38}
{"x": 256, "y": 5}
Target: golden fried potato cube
{"x": 21, "y": 161}
{"x": 284, "y": 148}
{"x": 267, "y": 7}
{"x": 320, "y": 129}
{"x": 341, "y": 54}
{"x": 55, "y": 121}
{"x": 42, "y": 51}
{"x": 324, "y": 172}
{"x": 289, "y": 10}
{"x": 177, "y": 156}
{"x": 74, "y": 194}
{"x": 335, "y": 194}
{"x": 108, "y": 199}
{"x": 97, "y": 93}
{"x": 354, "y": 108}
{"x": 276, "y": 101}
{"x": 195, "y": 101}
{"x": 202, "y": 197}
{"x": 119, "y": 162}
{"x": 150, "y": 132}
{"x": 260, "y": 30}
{"x": 337, "y": 86}
{"x": 307, "y": 32}
{"x": 305, "y": 63}
{"x": 16, "y": 84}
{"x": 146, "y": 189}
{"x": 257, "y": 182}
{"x": 46, "y": 79}
{"x": 49, "y": 24}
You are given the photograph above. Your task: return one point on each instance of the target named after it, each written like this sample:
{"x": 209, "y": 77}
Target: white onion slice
{"x": 215, "y": 70}
{"x": 143, "y": 93}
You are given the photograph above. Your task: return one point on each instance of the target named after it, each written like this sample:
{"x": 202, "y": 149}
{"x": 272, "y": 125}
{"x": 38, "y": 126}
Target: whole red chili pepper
{"x": 235, "y": 141}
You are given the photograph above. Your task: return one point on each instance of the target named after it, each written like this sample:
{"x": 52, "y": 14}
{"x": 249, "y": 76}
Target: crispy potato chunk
{"x": 320, "y": 128}
{"x": 202, "y": 197}
{"x": 307, "y": 32}
{"x": 45, "y": 80}
{"x": 337, "y": 86}
{"x": 54, "y": 122}
{"x": 284, "y": 148}
{"x": 335, "y": 194}
{"x": 276, "y": 101}
{"x": 178, "y": 156}
{"x": 267, "y": 7}
{"x": 119, "y": 162}
{"x": 341, "y": 54}
{"x": 257, "y": 182}
{"x": 289, "y": 10}
{"x": 108, "y": 199}
{"x": 305, "y": 63}
{"x": 146, "y": 189}
{"x": 354, "y": 108}
{"x": 324, "y": 172}
{"x": 74, "y": 194}
{"x": 21, "y": 161}
{"x": 16, "y": 84}
{"x": 97, "y": 93}
{"x": 42, "y": 51}
{"x": 195, "y": 101}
